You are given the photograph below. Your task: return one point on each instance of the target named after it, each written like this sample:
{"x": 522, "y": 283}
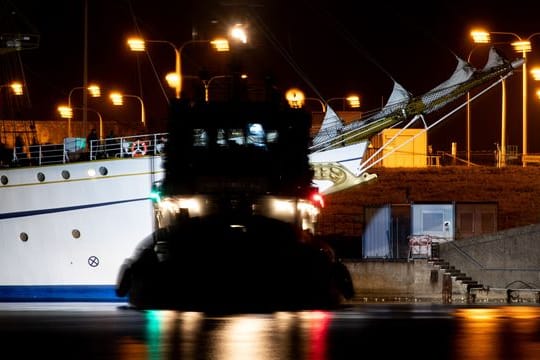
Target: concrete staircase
{"x": 462, "y": 285}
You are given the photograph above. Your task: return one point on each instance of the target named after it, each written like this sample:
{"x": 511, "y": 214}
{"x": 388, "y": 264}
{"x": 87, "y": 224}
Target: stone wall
{"x": 396, "y": 280}
{"x": 54, "y": 131}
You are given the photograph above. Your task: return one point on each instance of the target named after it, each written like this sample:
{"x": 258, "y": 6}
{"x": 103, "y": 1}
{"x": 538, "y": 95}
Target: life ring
{"x": 138, "y": 148}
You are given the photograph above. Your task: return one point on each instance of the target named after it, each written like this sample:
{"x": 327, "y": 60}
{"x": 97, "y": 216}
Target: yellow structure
{"x": 408, "y": 149}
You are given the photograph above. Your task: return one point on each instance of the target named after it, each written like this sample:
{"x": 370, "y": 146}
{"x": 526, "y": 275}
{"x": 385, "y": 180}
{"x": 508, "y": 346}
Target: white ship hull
{"x": 65, "y": 239}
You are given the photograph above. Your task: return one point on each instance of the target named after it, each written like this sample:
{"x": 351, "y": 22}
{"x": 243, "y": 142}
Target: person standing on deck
{"x": 91, "y": 141}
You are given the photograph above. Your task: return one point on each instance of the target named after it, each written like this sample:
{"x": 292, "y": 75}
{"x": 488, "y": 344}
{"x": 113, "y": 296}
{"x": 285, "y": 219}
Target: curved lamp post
{"x": 118, "y": 100}
{"x": 522, "y": 46}
{"x": 175, "y": 79}
{"x": 66, "y": 112}
{"x": 94, "y": 91}
{"x": 207, "y": 83}
{"x": 352, "y": 100}
{"x": 15, "y": 87}
{"x": 296, "y": 99}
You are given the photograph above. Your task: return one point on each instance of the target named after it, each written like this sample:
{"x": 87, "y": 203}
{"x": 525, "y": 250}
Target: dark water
{"x": 112, "y": 331}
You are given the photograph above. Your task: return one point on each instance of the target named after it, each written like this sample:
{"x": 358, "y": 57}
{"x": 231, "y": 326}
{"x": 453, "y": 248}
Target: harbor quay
{"x": 499, "y": 268}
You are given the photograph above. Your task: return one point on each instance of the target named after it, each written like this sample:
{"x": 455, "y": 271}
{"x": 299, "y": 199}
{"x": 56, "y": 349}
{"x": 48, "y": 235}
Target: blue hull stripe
{"x": 63, "y": 209}
{"x": 59, "y": 293}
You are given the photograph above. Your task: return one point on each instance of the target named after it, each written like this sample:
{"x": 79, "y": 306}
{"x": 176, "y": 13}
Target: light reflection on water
{"x": 282, "y": 335}
{"x": 507, "y": 332}
{"x": 511, "y": 332}
{"x": 390, "y": 331}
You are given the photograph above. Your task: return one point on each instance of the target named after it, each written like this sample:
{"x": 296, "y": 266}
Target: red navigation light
{"x": 317, "y": 199}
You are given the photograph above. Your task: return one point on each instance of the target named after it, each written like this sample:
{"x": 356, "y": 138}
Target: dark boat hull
{"x": 230, "y": 264}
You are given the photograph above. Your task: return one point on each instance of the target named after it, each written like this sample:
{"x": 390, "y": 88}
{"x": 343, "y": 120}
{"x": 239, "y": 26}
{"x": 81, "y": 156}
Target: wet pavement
{"x": 115, "y": 331}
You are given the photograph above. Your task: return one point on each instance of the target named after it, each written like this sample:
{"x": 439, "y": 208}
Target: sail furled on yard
{"x": 330, "y": 127}
{"x": 402, "y": 106}
{"x": 464, "y": 79}
{"x": 330, "y": 131}
{"x": 463, "y": 72}
{"x": 398, "y": 99}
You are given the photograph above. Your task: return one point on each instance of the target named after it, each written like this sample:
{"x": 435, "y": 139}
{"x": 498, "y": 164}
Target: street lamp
{"x": 207, "y": 83}
{"x": 118, "y": 100}
{"x": 295, "y": 98}
{"x": 66, "y": 112}
{"x": 94, "y": 91}
{"x": 15, "y": 86}
{"x": 352, "y": 100}
{"x": 175, "y": 79}
{"x": 523, "y": 46}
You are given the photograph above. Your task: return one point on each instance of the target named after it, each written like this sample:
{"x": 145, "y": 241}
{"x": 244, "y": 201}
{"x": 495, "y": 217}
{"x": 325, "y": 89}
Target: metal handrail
{"x": 76, "y": 149}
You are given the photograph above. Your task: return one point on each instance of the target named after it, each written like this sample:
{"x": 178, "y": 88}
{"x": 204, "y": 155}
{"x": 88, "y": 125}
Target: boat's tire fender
{"x": 124, "y": 283}
{"x": 344, "y": 280}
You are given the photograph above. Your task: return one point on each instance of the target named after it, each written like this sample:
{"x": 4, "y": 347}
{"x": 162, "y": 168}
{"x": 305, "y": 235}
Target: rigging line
{"x": 382, "y": 148}
{"x": 363, "y": 169}
{"x": 8, "y": 7}
{"x": 152, "y": 65}
{"x": 267, "y": 33}
{"x": 353, "y": 41}
{"x": 423, "y": 30}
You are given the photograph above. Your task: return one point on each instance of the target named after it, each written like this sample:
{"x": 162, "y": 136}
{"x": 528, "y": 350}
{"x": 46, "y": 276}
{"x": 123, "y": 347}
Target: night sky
{"x": 326, "y": 48}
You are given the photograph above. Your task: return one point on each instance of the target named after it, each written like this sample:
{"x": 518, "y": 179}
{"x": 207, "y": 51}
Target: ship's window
{"x": 256, "y": 135}
{"x": 41, "y": 176}
{"x": 236, "y": 137}
{"x": 221, "y": 139}
{"x": 65, "y": 174}
{"x": 4, "y": 179}
{"x": 23, "y": 236}
{"x": 103, "y": 170}
{"x": 271, "y": 136}
{"x": 200, "y": 138}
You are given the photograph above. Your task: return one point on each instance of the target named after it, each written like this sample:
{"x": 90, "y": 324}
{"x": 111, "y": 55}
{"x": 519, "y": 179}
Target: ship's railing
{"x": 76, "y": 149}
{"x": 128, "y": 146}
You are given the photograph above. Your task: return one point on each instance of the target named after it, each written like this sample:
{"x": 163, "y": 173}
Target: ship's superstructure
{"x": 236, "y": 215}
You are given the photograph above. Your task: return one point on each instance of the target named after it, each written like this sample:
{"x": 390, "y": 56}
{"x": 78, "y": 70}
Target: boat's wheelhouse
{"x": 238, "y": 160}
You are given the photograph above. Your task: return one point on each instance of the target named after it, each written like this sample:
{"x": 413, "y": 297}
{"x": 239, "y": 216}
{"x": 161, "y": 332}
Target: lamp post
{"x": 482, "y": 40}
{"x": 66, "y": 112}
{"x": 352, "y": 100}
{"x": 296, "y": 98}
{"x": 15, "y": 86}
{"x": 523, "y": 46}
{"x": 323, "y": 104}
{"x": 207, "y": 83}
{"x": 118, "y": 100}
{"x": 175, "y": 79}
{"x": 94, "y": 91}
